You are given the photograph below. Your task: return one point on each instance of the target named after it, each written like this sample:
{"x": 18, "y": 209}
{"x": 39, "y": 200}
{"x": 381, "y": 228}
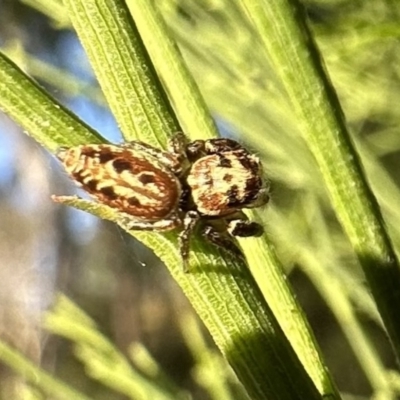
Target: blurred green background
{"x": 47, "y": 248}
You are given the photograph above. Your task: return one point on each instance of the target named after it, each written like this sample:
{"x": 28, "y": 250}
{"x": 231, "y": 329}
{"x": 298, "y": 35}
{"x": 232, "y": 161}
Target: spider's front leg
{"x": 235, "y": 227}
{"x": 200, "y": 148}
{"x": 189, "y": 223}
{"x": 177, "y": 148}
{"x": 237, "y": 224}
{"x": 221, "y": 240}
{"x": 244, "y": 228}
{"x": 177, "y": 143}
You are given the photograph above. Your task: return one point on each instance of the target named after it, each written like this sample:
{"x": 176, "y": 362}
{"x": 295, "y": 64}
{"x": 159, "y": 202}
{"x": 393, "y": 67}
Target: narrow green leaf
{"x": 123, "y": 69}
{"x": 259, "y": 253}
{"x": 182, "y": 88}
{"x": 222, "y": 290}
{"x": 100, "y": 357}
{"x": 37, "y": 112}
{"x": 282, "y": 27}
{"x": 37, "y": 376}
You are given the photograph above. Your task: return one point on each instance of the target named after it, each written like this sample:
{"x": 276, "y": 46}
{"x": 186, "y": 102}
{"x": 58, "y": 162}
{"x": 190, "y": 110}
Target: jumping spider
{"x": 206, "y": 182}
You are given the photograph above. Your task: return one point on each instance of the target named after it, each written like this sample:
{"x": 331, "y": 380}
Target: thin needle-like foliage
{"x": 334, "y": 213}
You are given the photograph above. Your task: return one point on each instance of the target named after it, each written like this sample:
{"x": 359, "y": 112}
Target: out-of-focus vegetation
{"x": 45, "y": 249}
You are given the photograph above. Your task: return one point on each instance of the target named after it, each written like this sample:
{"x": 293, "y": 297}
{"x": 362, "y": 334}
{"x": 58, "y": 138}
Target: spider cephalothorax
{"x": 204, "y": 181}
{"x": 223, "y": 179}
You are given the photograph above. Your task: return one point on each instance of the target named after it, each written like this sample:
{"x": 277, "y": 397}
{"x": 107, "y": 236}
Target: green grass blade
{"x": 37, "y": 112}
{"x": 101, "y": 358}
{"x": 191, "y": 108}
{"x": 259, "y": 252}
{"x": 122, "y": 67}
{"x": 37, "y": 376}
{"x": 282, "y": 28}
{"x": 223, "y": 292}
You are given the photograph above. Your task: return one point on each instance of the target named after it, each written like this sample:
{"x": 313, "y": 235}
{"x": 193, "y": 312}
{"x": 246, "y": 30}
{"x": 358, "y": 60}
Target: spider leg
{"x": 177, "y": 148}
{"x": 244, "y": 228}
{"x": 220, "y": 145}
{"x": 237, "y": 224}
{"x": 195, "y": 150}
{"x": 177, "y": 143}
{"x": 199, "y": 148}
{"x": 222, "y": 240}
{"x": 189, "y": 223}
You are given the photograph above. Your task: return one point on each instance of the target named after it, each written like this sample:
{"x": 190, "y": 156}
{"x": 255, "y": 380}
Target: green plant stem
{"x": 259, "y": 253}
{"x": 223, "y": 292}
{"x": 192, "y": 110}
{"x": 123, "y": 69}
{"x": 101, "y": 359}
{"x": 183, "y": 96}
{"x": 36, "y": 375}
{"x": 272, "y": 281}
{"x": 39, "y": 113}
{"x": 282, "y": 28}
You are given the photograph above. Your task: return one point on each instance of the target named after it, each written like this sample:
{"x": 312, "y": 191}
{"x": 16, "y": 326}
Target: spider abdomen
{"x": 134, "y": 182}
